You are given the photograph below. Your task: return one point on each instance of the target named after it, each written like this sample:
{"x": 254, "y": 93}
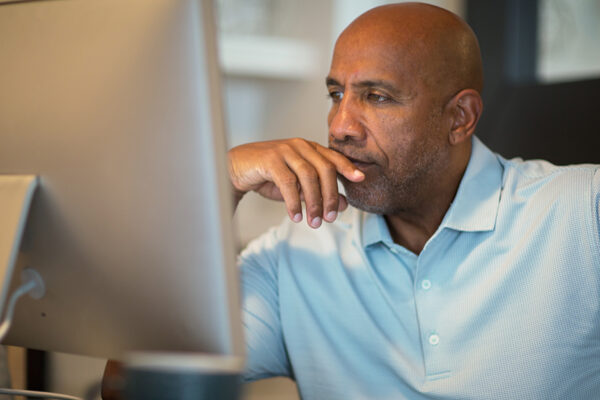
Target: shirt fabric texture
{"x": 502, "y": 303}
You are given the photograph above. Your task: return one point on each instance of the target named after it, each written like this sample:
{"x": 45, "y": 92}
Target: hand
{"x": 112, "y": 381}
{"x": 292, "y": 171}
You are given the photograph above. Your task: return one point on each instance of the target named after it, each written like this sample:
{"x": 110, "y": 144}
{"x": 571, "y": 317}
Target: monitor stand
{"x": 16, "y": 193}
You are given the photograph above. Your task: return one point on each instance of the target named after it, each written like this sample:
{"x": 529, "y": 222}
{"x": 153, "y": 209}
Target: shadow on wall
{"x": 523, "y": 116}
{"x": 558, "y": 122}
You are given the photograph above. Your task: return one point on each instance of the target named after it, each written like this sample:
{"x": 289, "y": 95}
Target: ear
{"x": 465, "y": 107}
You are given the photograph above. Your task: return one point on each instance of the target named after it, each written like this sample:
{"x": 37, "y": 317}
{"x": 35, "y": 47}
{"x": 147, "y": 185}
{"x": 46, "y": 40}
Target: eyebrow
{"x": 329, "y": 81}
{"x": 366, "y": 84}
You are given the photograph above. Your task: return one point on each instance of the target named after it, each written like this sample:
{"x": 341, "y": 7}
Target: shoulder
{"x": 288, "y": 237}
{"x": 535, "y": 169}
{"x": 568, "y": 196}
{"x": 532, "y": 175}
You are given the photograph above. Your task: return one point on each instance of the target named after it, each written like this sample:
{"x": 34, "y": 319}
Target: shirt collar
{"x": 474, "y": 207}
{"x": 374, "y": 229}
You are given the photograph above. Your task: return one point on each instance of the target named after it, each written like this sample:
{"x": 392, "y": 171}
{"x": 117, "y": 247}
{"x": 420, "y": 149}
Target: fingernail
{"x": 358, "y": 173}
{"x": 297, "y": 217}
{"x": 331, "y": 216}
{"x": 316, "y": 222}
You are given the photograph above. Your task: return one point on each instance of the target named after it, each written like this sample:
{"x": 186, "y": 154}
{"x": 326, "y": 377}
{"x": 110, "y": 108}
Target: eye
{"x": 378, "y": 98}
{"x": 335, "y": 95}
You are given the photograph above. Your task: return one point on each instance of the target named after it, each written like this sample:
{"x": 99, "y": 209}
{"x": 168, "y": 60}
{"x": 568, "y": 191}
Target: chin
{"x": 365, "y": 197}
{"x": 379, "y": 195}
{"x": 367, "y": 207}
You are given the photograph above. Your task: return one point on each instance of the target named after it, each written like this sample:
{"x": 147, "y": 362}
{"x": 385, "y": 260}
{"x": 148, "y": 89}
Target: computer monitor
{"x": 116, "y": 107}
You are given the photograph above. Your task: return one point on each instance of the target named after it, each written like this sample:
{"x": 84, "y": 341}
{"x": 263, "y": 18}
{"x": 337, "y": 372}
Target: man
{"x": 456, "y": 274}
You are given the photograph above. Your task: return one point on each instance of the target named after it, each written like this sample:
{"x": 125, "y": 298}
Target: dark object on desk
{"x": 155, "y": 385}
{"x": 172, "y": 376}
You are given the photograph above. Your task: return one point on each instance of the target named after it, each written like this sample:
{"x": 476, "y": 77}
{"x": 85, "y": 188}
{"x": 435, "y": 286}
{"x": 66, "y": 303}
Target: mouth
{"x": 359, "y": 163}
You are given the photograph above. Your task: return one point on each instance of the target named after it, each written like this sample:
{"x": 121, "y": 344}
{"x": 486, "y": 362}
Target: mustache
{"x": 354, "y": 154}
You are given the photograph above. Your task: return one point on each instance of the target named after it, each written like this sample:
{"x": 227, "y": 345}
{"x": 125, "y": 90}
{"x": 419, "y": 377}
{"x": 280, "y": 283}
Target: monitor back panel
{"x": 116, "y": 106}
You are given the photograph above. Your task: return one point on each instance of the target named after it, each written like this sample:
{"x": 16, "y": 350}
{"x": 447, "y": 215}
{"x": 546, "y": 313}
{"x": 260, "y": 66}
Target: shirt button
{"x": 434, "y": 340}
{"x": 426, "y": 284}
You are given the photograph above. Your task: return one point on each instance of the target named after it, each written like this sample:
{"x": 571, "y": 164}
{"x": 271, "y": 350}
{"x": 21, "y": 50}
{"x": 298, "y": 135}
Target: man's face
{"x": 388, "y": 122}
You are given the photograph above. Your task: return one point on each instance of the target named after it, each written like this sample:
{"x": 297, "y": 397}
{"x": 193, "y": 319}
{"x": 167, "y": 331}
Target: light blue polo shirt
{"x": 502, "y": 303}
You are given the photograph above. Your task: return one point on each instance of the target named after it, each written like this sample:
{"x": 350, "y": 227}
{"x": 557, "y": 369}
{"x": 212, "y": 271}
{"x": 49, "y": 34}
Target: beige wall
{"x": 16, "y": 365}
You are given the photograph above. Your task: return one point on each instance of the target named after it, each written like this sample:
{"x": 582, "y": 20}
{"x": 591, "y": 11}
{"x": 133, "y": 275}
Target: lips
{"x": 361, "y": 164}
{"x": 363, "y": 167}
{"x": 356, "y": 160}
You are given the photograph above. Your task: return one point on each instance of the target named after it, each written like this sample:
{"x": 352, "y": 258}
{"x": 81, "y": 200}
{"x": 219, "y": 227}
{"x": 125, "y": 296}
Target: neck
{"x": 414, "y": 226}
{"x": 412, "y": 230}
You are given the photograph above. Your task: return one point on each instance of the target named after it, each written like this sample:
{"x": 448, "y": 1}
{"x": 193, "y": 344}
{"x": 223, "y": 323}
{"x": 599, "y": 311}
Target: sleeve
{"x": 596, "y": 205}
{"x": 265, "y": 349}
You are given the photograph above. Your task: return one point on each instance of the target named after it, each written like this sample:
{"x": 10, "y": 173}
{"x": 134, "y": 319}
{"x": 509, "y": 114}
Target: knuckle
{"x": 331, "y": 204}
{"x": 284, "y": 147}
{"x": 328, "y": 168}
{"x": 298, "y": 141}
{"x": 308, "y": 172}
{"x": 303, "y": 144}
{"x": 313, "y": 145}
{"x": 271, "y": 157}
{"x": 314, "y": 209}
{"x": 289, "y": 180}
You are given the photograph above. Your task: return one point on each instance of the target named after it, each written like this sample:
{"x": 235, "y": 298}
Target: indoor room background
{"x": 542, "y": 70}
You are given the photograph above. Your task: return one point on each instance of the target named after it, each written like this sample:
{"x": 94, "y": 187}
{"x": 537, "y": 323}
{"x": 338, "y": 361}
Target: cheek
{"x": 391, "y": 138}
{"x": 405, "y": 142}
{"x": 331, "y": 113}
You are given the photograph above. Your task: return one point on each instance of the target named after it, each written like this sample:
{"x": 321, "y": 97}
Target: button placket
{"x": 429, "y": 298}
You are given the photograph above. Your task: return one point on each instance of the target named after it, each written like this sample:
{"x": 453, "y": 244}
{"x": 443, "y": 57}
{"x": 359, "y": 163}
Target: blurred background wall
{"x": 542, "y": 77}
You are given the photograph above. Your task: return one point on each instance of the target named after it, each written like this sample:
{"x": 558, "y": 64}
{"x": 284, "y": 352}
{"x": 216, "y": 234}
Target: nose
{"x": 344, "y": 121}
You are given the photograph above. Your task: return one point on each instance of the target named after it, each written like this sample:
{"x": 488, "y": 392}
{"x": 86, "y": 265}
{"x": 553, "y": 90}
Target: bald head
{"x": 431, "y": 44}
{"x": 404, "y": 83}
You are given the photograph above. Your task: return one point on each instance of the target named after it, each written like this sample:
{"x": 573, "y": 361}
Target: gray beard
{"x": 389, "y": 192}
{"x": 380, "y": 195}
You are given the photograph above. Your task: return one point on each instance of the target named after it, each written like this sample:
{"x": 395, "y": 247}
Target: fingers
{"x": 312, "y": 188}
{"x": 343, "y": 165}
{"x": 287, "y": 183}
{"x": 320, "y": 190}
{"x": 294, "y": 170}
{"x": 302, "y": 179}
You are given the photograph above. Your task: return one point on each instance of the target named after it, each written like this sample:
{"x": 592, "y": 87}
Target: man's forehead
{"x": 377, "y": 62}
{"x": 414, "y": 43}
